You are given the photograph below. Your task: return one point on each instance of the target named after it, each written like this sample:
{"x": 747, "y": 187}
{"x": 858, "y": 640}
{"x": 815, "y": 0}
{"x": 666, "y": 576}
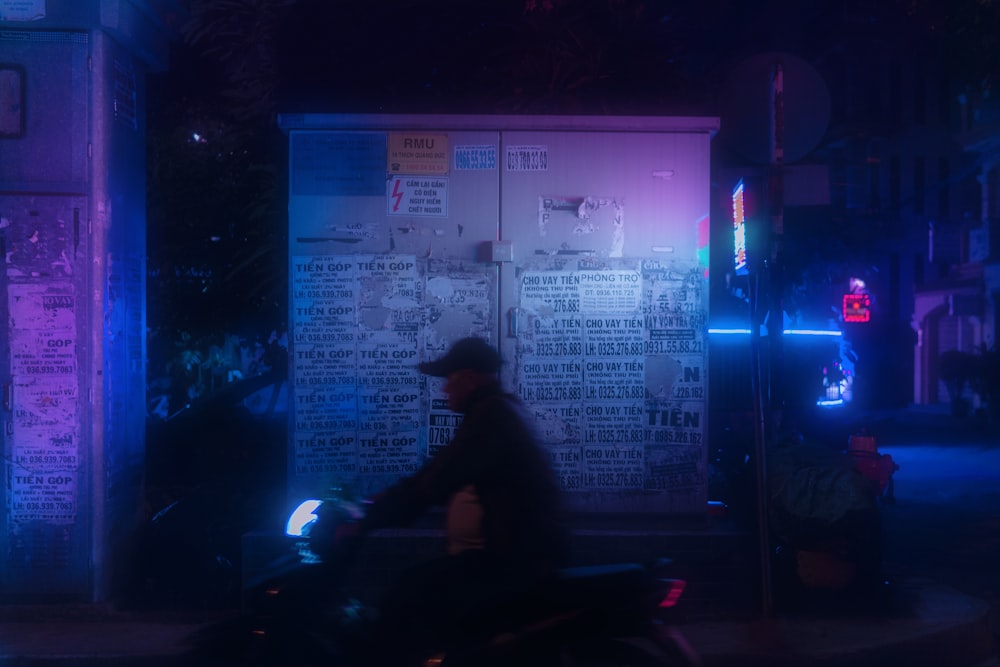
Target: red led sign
{"x": 857, "y": 308}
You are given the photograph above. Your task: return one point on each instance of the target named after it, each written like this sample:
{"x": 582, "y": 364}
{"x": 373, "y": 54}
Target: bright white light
{"x": 826, "y": 403}
{"x": 729, "y": 332}
{"x": 303, "y": 515}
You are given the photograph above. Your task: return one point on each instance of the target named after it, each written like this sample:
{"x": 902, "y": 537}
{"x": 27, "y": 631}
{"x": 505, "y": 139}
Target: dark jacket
{"x": 495, "y": 451}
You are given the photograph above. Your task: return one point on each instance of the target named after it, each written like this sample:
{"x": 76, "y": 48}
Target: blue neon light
{"x": 812, "y": 332}
{"x": 787, "y": 332}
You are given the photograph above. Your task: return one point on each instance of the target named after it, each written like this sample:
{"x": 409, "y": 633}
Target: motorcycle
{"x": 588, "y": 616}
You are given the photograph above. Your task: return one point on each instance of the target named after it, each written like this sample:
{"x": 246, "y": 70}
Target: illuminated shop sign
{"x": 857, "y": 308}
{"x": 739, "y": 231}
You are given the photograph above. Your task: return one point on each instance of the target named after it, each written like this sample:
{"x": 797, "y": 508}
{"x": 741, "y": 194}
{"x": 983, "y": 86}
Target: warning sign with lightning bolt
{"x": 417, "y": 195}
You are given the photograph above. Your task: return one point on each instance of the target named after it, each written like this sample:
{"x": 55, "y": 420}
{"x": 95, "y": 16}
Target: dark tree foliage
{"x": 217, "y": 162}
{"x": 215, "y": 168}
{"x": 492, "y": 56}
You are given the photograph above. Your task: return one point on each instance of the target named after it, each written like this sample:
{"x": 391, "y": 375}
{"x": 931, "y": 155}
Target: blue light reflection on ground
{"x": 933, "y": 470}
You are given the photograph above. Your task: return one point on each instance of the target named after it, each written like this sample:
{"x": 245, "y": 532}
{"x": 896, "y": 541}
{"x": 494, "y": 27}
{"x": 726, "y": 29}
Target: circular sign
{"x": 746, "y": 109}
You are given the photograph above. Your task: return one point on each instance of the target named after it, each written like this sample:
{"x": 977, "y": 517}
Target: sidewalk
{"x": 83, "y": 635}
{"x": 925, "y": 624}
{"x": 931, "y": 626}
{"x": 936, "y": 626}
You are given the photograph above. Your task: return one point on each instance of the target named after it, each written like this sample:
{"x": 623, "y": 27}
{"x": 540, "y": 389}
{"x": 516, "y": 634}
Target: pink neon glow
{"x": 673, "y": 594}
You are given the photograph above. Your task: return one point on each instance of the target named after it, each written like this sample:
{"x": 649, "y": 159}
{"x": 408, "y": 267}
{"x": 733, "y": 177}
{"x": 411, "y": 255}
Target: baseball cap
{"x": 469, "y": 353}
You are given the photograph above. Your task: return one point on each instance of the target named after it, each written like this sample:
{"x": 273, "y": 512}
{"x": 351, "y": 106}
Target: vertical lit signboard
{"x": 739, "y": 231}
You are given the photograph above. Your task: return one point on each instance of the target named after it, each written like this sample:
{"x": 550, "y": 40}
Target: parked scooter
{"x": 615, "y": 614}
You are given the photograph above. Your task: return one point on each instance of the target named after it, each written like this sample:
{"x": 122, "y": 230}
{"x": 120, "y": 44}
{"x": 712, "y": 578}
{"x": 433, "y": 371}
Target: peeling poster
{"x": 44, "y": 454}
{"x": 582, "y": 224}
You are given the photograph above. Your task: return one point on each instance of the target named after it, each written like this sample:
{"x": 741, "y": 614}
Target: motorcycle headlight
{"x": 302, "y": 518}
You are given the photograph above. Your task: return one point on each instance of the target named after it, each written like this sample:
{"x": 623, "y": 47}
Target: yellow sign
{"x": 418, "y": 153}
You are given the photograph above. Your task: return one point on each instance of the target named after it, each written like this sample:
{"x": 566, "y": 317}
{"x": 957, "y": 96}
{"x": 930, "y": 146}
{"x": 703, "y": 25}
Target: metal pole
{"x": 776, "y": 205}
{"x": 773, "y": 280}
{"x": 760, "y": 450}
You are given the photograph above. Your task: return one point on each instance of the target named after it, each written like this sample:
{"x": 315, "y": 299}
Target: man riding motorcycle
{"x": 504, "y": 529}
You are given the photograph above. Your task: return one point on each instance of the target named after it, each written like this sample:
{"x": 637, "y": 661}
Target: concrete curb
{"x": 944, "y": 627}
{"x": 939, "y": 626}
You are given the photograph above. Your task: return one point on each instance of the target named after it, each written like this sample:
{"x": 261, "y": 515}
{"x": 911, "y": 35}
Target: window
{"x": 919, "y": 185}
{"x": 11, "y": 101}
{"x": 896, "y": 95}
{"x": 873, "y": 89}
{"x": 944, "y": 189}
{"x": 920, "y": 96}
{"x": 874, "y": 179}
{"x": 895, "y": 182}
{"x": 944, "y": 101}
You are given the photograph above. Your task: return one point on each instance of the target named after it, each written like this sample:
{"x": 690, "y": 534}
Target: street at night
{"x": 500, "y": 332}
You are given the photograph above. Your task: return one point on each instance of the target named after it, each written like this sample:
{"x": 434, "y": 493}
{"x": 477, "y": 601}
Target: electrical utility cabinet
{"x": 577, "y": 245}
{"x": 72, "y": 228}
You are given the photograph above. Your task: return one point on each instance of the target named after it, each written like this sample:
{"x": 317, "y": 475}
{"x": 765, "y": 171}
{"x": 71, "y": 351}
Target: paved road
{"x": 945, "y": 525}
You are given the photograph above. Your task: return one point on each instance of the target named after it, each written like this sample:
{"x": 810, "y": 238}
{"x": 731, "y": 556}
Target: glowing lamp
{"x": 302, "y": 518}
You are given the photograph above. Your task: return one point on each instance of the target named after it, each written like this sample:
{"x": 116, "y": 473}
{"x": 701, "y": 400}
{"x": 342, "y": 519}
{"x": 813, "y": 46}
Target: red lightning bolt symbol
{"x": 397, "y": 195}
